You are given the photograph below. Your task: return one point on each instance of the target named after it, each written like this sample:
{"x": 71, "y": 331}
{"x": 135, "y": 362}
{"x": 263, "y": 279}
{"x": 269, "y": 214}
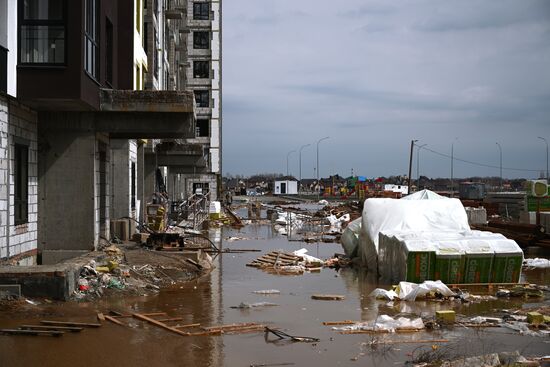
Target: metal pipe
{"x": 500, "y": 150}
{"x": 318, "y": 174}
{"x": 545, "y": 141}
{"x": 300, "y": 180}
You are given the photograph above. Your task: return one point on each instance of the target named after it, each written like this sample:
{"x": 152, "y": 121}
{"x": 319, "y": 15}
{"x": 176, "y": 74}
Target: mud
{"x": 209, "y": 301}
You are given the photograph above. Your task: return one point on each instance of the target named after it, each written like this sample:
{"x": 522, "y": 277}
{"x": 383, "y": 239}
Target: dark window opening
{"x": 202, "y": 98}
{"x": 201, "y": 11}
{"x": 91, "y": 39}
{"x": 201, "y": 69}
{"x": 145, "y": 37}
{"x": 133, "y": 191}
{"x": 201, "y": 40}
{"x": 109, "y": 51}
{"x": 202, "y": 128}
{"x": 156, "y": 56}
{"x": 21, "y": 183}
{"x": 42, "y": 32}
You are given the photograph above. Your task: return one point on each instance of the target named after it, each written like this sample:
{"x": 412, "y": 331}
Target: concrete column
{"x": 120, "y": 184}
{"x": 149, "y": 167}
{"x": 141, "y": 181}
{"x": 67, "y": 194}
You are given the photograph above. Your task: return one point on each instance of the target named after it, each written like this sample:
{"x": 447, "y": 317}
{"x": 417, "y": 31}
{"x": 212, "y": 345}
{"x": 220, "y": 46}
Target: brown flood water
{"x": 208, "y": 301}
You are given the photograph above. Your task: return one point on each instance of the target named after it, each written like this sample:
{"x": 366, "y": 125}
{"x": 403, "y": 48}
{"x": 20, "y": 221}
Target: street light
{"x": 288, "y": 155}
{"x": 318, "y": 174}
{"x": 452, "y": 166}
{"x": 418, "y": 165}
{"x": 500, "y": 150}
{"x": 540, "y": 137}
{"x": 300, "y": 182}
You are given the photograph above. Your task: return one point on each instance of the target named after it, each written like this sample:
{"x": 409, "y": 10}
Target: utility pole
{"x": 452, "y": 167}
{"x": 500, "y": 150}
{"x": 546, "y": 141}
{"x": 410, "y": 165}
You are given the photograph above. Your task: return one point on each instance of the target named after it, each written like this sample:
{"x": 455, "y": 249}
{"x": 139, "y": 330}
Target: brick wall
{"x": 17, "y": 124}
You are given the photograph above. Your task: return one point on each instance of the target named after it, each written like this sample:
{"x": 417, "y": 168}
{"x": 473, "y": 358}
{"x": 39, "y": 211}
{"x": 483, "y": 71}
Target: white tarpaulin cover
{"x": 424, "y": 195}
{"x": 444, "y": 215}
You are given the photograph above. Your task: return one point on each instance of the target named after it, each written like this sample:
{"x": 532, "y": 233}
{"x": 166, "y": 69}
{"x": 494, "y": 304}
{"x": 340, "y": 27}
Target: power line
{"x": 479, "y": 164}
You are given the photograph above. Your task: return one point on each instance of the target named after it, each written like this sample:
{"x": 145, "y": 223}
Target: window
{"x": 145, "y": 36}
{"x": 156, "y": 56}
{"x": 202, "y": 129}
{"x": 133, "y": 187}
{"x": 201, "y": 69}
{"x": 202, "y": 98}
{"x": 21, "y": 182}
{"x": 201, "y": 11}
{"x": 42, "y": 32}
{"x": 109, "y": 52}
{"x": 91, "y": 38}
{"x": 201, "y": 40}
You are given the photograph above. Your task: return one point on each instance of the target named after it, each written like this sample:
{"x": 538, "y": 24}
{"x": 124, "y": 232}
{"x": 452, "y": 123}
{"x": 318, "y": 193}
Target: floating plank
{"x": 203, "y": 333}
{"x": 114, "y": 320}
{"x": 100, "y": 317}
{"x": 31, "y": 332}
{"x": 171, "y": 319}
{"x": 345, "y": 322}
{"x": 69, "y": 323}
{"x": 51, "y": 328}
{"x": 424, "y": 341}
{"x": 230, "y": 326}
{"x": 187, "y": 326}
{"x": 118, "y": 314}
{"x": 328, "y": 297}
{"x": 159, "y": 324}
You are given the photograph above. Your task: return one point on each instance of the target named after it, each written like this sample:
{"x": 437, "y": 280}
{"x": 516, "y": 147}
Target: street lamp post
{"x": 418, "y": 165}
{"x": 300, "y": 181}
{"x": 500, "y": 151}
{"x": 288, "y": 155}
{"x": 318, "y": 174}
{"x": 546, "y": 141}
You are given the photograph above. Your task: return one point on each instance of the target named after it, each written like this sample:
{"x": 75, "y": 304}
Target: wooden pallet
{"x": 275, "y": 258}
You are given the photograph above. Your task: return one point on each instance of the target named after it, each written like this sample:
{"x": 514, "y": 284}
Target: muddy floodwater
{"x": 208, "y": 301}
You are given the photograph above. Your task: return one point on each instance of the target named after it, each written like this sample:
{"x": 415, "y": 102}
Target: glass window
{"x": 202, "y": 98}
{"x": 201, "y": 69}
{"x": 91, "y": 47}
{"x": 201, "y": 40}
{"x": 21, "y": 183}
{"x": 42, "y": 32}
{"x": 201, "y": 11}
{"x": 202, "y": 128}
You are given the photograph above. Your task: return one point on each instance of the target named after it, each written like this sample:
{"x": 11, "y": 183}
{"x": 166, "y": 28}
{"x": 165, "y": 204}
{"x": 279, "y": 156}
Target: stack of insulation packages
{"x": 417, "y": 240}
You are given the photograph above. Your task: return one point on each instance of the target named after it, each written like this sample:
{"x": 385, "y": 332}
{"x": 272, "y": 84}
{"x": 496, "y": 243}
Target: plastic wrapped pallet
{"x": 507, "y": 261}
{"x": 478, "y": 260}
{"x": 406, "y": 215}
{"x": 350, "y": 238}
{"x": 414, "y": 261}
{"x": 449, "y": 262}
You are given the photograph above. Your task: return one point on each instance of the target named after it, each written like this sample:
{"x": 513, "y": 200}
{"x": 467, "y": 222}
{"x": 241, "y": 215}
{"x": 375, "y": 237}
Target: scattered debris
{"x": 383, "y": 324}
{"x": 536, "y": 263}
{"x": 328, "y": 297}
{"x": 267, "y": 291}
{"x": 282, "y": 335}
{"x": 244, "y": 305}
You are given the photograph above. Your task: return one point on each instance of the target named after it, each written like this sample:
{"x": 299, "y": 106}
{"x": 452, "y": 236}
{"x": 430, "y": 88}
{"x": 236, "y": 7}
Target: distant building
{"x": 402, "y": 189}
{"x": 285, "y": 187}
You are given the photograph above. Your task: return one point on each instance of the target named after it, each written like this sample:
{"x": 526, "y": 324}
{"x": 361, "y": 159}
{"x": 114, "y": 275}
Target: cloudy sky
{"x": 374, "y": 74}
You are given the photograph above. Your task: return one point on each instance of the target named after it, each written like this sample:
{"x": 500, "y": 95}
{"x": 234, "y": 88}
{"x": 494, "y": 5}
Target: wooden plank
{"x": 345, "y": 322}
{"x": 241, "y": 328}
{"x": 114, "y": 320}
{"x": 187, "y": 326}
{"x": 51, "y": 328}
{"x": 31, "y": 332}
{"x": 100, "y": 317}
{"x": 230, "y": 326}
{"x": 328, "y": 297}
{"x": 122, "y": 315}
{"x": 69, "y": 323}
{"x": 159, "y": 324}
{"x": 171, "y": 319}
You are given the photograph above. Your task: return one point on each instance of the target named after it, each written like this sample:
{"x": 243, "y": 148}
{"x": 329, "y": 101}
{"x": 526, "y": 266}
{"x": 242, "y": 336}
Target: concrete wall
{"x": 17, "y": 125}
{"x": 210, "y": 179}
{"x": 123, "y": 154}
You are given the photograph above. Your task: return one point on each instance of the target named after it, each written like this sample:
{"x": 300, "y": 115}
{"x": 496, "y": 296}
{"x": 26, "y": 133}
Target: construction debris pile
{"x": 297, "y": 262}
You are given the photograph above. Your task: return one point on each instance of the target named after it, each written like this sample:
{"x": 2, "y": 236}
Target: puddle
{"x": 209, "y": 300}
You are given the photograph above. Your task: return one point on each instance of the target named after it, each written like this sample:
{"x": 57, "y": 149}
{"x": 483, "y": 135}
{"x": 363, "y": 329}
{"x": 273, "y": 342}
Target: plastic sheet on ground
{"x": 411, "y": 291}
{"x": 536, "y": 263}
{"x": 350, "y": 238}
{"x": 385, "y": 323}
{"x": 380, "y": 293}
{"x": 307, "y": 258}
